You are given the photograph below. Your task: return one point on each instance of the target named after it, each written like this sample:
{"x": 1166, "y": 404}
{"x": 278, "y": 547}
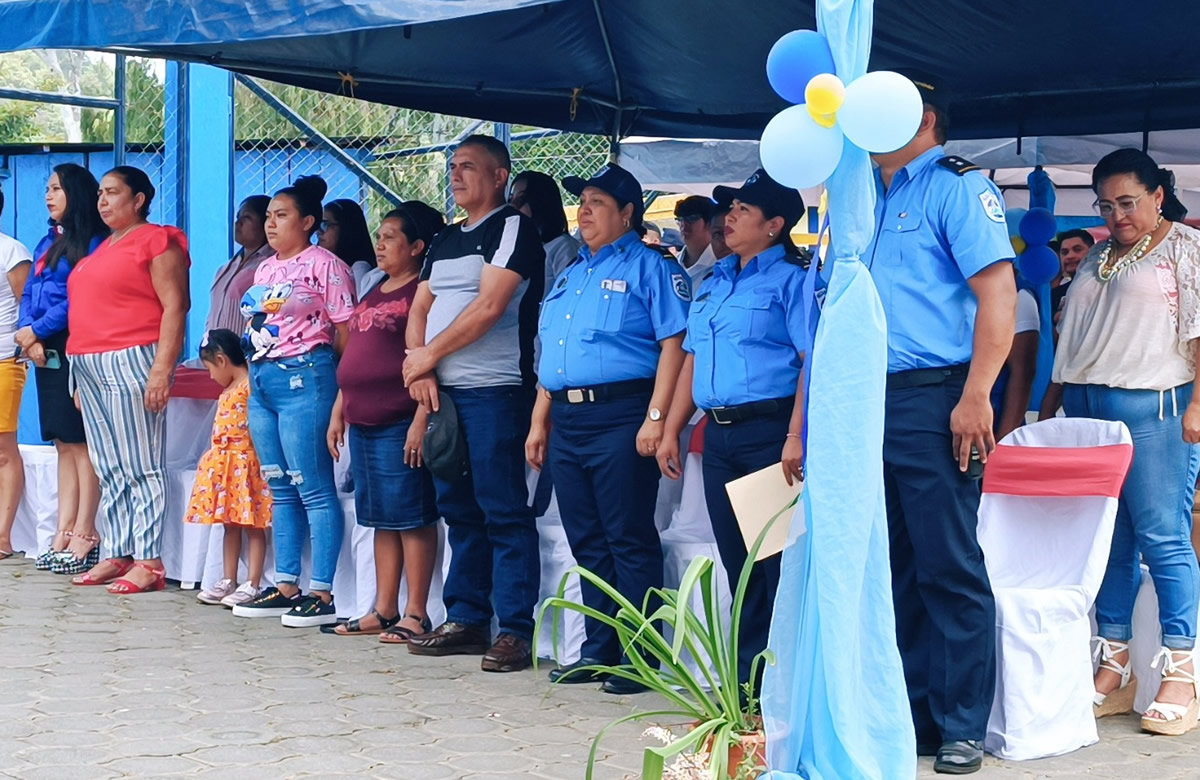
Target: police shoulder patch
{"x": 957, "y": 164}
{"x": 682, "y": 289}
{"x": 992, "y": 206}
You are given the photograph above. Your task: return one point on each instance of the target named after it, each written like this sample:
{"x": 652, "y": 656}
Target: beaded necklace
{"x": 1109, "y": 268}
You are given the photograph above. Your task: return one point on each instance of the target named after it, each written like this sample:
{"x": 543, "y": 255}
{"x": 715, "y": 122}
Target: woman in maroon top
{"x": 393, "y": 492}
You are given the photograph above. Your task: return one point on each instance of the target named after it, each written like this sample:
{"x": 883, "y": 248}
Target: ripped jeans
{"x": 290, "y": 403}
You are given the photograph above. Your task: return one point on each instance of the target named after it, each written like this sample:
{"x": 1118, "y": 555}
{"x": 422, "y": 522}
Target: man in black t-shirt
{"x": 470, "y": 334}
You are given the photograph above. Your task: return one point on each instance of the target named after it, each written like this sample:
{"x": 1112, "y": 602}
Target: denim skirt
{"x": 388, "y": 494}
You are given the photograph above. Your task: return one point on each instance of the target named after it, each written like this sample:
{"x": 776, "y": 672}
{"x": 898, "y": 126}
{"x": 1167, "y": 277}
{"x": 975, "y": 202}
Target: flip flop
{"x": 354, "y": 627}
{"x": 6, "y": 554}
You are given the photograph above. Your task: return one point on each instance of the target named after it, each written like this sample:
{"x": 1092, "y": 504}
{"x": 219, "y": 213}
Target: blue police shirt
{"x": 746, "y": 330}
{"x": 603, "y": 320}
{"x": 934, "y": 229}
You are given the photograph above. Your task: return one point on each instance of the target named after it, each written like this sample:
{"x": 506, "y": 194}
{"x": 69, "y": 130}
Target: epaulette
{"x": 957, "y": 164}
{"x": 662, "y": 250}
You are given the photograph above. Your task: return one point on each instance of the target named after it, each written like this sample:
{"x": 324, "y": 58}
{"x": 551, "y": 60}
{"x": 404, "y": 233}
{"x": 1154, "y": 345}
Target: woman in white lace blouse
{"x": 1128, "y": 352}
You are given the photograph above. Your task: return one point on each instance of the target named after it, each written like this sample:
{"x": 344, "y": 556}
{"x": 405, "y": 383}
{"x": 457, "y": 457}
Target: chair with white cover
{"x": 1046, "y": 518}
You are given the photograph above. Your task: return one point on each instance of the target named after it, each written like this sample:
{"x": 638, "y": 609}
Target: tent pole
{"x": 614, "y": 141}
{"x": 119, "y": 111}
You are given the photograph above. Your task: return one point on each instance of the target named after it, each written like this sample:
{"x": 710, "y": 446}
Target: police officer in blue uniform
{"x": 745, "y": 345}
{"x": 611, "y": 331}
{"x": 940, "y": 260}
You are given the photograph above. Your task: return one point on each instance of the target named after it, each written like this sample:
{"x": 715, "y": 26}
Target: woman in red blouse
{"x": 127, "y": 304}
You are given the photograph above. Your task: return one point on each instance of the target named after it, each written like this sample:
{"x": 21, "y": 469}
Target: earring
{"x": 771, "y": 234}
{"x": 627, "y": 224}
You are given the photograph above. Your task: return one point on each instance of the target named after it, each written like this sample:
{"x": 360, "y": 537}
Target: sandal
{"x": 399, "y": 635}
{"x": 6, "y": 554}
{"x": 1120, "y": 701}
{"x": 123, "y": 566}
{"x": 45, "y": 561}
{"x": 122, "y": 586}
{"x": 67, "y": 563}
{"x": 354, "y": 627}
{"x": 1178, "y": 719}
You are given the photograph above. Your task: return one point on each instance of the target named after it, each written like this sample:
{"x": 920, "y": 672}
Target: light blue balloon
{"x": 882, "y": 111}
{"x": 796, "y": 151}
{"x": 794, "y": 60}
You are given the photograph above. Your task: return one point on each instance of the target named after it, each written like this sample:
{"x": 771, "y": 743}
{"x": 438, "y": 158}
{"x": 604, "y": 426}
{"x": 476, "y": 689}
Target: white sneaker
{"x": 245, "y": 592}
{"x": 218, "y": 591}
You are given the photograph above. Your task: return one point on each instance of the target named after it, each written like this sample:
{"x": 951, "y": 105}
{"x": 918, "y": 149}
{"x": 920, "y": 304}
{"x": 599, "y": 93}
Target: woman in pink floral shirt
{"x": 297, "y": 315}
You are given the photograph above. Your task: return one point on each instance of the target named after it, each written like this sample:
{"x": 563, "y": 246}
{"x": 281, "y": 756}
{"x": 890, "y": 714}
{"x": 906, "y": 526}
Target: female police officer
{"x": 611, "y": 333}
{"x": 744, "y": 342}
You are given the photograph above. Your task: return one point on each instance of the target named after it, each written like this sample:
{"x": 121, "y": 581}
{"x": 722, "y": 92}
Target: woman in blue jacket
{"x": 75, "y": 231}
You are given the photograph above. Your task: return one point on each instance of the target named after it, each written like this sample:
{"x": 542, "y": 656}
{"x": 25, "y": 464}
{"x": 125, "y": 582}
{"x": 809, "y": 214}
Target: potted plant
{"x": 723, "y": 716}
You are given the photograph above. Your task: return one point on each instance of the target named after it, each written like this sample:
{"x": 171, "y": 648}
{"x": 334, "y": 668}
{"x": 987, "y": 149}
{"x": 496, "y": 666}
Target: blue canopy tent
{"x": 671, "y": 68}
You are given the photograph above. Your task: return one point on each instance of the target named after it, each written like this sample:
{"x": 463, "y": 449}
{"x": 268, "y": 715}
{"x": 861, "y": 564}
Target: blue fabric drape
{"x": 1041, "y": 194}
{"x": 834, "y": 703}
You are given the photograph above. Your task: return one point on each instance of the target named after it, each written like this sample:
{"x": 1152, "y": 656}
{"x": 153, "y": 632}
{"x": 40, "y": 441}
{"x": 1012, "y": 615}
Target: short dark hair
{"x": 258, "y": 204}
{"x": 138, "y": 182}
{"x": 545, "y": 204}
{"x": 493, "y": 146}
{"x": 941, "y": 123}
{"x": 418, "y": 221}
{"x": 719, "y": 212}
{"x": 1079, "y": 233}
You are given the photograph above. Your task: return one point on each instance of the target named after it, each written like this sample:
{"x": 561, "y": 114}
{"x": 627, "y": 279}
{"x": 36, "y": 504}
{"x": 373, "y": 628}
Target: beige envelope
{"x": 761, "y": 496}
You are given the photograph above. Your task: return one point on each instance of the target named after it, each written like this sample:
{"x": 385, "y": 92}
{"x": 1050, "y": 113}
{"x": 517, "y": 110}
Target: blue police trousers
{"x": 733, "y": 451}
{"x": 606, "y": 497}
{"x": 945, "y": 612}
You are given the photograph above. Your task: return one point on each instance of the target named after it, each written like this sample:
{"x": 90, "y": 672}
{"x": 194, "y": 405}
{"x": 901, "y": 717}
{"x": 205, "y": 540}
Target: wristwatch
{"x": 655, "y": 414}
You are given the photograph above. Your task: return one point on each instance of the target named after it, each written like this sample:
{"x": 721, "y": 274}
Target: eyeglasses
{"x": 687, "y": 220}
{"x": 1106, "y": 208}
{"x": 326, "y": 225}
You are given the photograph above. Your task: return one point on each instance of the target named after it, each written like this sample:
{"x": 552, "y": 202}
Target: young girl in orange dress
{"x": 229, "y": 486}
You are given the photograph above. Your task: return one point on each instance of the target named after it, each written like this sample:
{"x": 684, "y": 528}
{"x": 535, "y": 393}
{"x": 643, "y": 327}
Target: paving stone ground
{"x": 98, "y": 686}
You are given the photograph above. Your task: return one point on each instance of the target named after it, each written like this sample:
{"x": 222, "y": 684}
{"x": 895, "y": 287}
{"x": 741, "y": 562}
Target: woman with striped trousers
{"x": 127, "y": 304}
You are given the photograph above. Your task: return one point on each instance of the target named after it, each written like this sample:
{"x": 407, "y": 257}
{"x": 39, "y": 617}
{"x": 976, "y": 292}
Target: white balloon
{"x": 882, "y": 111}
{"x": 796, "y": 151}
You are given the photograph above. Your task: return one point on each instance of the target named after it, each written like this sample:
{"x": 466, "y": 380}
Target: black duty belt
{"x": 923, "y": 377}
{"x": 728, "y": 415}
{"x": 601, "y": 393}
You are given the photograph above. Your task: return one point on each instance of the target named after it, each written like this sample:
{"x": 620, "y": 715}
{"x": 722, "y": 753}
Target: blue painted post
{"x": 208, "y": 194}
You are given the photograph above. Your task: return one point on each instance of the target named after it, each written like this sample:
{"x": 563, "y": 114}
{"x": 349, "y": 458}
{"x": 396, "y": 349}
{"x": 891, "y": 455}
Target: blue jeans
{"x": 1154, "y": 516}
{"x": 290, "y": 403}
{"x": 492, "y": 532}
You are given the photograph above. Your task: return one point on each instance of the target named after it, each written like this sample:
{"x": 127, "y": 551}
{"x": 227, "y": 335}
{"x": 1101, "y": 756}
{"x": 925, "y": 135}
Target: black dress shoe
{"x": 961, "y": 757}
{"x": 568, "y": 675}
{"x": 451, "y": 639}
{"x": 619, "y": 686}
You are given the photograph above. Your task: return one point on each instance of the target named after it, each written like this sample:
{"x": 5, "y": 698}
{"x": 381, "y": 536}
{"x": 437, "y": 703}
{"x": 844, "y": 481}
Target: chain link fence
{"x": 286, "y": 133}
{"x": 371, "y": 153}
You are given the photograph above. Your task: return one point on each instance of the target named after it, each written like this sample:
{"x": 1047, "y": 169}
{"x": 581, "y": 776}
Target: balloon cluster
{"x": 802, "y": 144}
{"x": 1035, "y": 228}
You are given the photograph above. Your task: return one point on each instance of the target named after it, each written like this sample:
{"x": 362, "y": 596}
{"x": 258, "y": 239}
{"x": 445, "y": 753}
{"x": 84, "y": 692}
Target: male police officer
{"x": 939, "y": 261}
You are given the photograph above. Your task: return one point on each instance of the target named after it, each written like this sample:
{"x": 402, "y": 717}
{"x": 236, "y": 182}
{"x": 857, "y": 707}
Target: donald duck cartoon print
{"x": 259, "y": 302}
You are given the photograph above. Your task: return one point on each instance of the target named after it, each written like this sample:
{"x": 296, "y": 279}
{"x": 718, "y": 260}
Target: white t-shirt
{"x": 12, "y": 254}
{"x": 1027, "y": 312}
{"x": 1137, "y": 331}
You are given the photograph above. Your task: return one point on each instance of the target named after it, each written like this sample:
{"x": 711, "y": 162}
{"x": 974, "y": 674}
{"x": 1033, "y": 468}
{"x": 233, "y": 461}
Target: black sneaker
{"x": 310, "y": 611}
{"x": 272, "y": 603}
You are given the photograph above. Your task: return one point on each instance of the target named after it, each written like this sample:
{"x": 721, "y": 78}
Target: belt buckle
{"x": 716, "y": 416}
{"x": 574, "y": 396}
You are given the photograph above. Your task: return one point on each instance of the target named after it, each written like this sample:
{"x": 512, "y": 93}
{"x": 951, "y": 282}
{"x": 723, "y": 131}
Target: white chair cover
{"x": 1045, "y": 525}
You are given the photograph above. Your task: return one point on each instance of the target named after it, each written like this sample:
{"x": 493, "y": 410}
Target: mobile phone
{"x": 52, "y": 359}
{"x": 975, "y": 465}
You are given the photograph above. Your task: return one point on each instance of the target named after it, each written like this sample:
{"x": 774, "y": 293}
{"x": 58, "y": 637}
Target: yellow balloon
{"x": 824, "y": 94}
{"x": 824, "y": 120}
{"x": 1018, "y": 244}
